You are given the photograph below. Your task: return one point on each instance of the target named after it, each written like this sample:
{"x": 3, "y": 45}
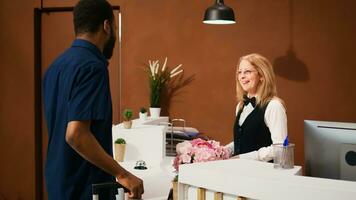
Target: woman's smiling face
{"x": 248, "y": 77}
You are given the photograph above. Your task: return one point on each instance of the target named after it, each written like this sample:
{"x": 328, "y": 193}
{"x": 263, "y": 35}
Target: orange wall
{"x": 316, "y": 84}
{"x": 16, "y": 100}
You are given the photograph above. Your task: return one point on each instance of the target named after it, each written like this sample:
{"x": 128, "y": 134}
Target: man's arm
{"x": 80, "y": 138}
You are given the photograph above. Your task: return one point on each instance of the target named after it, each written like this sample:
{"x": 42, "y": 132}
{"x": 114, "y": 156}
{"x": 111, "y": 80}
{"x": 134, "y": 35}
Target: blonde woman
{"x": 261, "y": 118}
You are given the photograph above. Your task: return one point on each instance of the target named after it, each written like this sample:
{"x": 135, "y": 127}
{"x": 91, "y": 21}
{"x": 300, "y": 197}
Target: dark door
{"x": 57, "y": 35}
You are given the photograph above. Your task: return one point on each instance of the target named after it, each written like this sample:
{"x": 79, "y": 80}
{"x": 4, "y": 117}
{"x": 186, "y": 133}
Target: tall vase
{"x": 155, "y": 112}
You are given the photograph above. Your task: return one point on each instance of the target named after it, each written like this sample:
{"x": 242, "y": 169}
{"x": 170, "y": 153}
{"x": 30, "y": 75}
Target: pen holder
{"x": 283, "y": 156}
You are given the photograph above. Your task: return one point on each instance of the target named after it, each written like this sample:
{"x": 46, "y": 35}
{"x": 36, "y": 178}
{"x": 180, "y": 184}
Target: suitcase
{"x": 108, "y": 188}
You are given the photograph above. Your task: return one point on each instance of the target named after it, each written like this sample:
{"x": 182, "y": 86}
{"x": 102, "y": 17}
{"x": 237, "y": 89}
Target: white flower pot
{"x": 155, "y": 112}
{"x": 143, "y": 116}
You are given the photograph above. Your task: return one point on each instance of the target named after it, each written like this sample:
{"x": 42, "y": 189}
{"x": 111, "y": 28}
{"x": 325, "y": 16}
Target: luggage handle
{"x": 99, "y": 187}
{"x": 108, "y": 185}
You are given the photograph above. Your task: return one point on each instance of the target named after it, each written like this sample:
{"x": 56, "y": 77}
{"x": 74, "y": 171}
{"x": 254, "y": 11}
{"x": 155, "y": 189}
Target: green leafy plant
{"x": 127, "y": 114}
{"x": 120, "y": 141}
{"x": 143, "y": 110}
{"x": 175, "y": 179}
{"x": 159, "y": 79}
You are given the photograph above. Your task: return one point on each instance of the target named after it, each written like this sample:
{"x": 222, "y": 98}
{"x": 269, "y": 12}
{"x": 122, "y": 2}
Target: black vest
{"x": 253, "y": 134}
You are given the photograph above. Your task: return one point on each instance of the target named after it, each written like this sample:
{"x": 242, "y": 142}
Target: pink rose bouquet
{"x": 199, "y": 150}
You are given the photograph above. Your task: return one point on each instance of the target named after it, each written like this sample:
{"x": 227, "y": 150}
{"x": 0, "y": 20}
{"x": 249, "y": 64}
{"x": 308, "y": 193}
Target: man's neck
{"x": 92, "y": 38}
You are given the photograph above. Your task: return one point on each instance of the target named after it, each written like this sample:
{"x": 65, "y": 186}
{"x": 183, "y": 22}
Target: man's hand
{"x": 132, "y": 183}
{"x": 80, "y": 138}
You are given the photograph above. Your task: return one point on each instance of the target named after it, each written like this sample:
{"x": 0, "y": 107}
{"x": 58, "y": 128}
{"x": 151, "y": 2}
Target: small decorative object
{"x": 198, "y": 150}
{"x": 127, "y": 118}
{"x": 158, "y": 81}
{"x": 120, "y": 146}
{"x": 141, "y": 165}
{"x": 143, "y": 114}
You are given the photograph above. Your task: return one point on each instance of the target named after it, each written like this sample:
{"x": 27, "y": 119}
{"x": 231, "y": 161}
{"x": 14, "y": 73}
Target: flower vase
{"x": 155, "y": 112}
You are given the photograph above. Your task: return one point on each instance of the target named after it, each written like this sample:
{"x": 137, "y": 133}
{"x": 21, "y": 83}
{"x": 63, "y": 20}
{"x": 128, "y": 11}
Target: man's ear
{"x": 107, "y": 26}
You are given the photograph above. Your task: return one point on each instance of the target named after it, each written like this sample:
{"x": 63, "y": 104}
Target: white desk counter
{"x": 235, "y": 177}
{"x": 146, "y": 141}
{"x": 157, "y": 179}
{"x": 258, "y": 180}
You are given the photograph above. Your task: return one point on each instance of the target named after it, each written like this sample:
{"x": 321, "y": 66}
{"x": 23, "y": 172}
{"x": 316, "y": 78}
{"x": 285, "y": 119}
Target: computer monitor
{"x": 330, "y": 149}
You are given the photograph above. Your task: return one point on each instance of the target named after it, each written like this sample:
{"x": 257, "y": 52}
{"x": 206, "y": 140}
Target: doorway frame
{"x": 38, "y": 91}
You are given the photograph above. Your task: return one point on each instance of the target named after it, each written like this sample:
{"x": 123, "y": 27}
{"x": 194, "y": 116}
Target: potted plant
{"x": 158, "y": 80}
{"x": 127, "y": 114}
{"x": 120, "y": 146}
{"x": 143, "y": 114}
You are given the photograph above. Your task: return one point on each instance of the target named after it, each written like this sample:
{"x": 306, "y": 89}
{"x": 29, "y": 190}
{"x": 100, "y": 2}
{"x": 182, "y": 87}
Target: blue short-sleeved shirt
{"x": 76, "y": 88}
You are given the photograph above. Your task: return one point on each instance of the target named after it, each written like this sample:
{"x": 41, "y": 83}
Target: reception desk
{"x": 216, "y": 180}
{"x": 146, "y": 141}
{"x": 246, "y": 179}
{"x": 157, "y": 178}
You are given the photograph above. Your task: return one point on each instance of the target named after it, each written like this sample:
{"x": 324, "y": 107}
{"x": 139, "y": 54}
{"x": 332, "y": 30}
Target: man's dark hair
{"x": 89, "y": 15}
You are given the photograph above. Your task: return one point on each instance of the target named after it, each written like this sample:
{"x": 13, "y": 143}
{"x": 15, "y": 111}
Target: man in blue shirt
{"x": 78, "y": 110}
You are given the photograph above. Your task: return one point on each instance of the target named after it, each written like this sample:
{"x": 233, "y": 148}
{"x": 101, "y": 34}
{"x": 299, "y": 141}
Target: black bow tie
{"x": 249, "y": 100}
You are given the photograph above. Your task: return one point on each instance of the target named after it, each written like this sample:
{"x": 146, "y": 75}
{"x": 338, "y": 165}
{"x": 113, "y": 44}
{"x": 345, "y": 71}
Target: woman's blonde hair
{"x": 266, "y": 89}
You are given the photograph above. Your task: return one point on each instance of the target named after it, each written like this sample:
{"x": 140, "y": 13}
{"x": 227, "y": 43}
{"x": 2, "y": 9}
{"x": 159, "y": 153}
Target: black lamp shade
{"x": 219, "y": 14}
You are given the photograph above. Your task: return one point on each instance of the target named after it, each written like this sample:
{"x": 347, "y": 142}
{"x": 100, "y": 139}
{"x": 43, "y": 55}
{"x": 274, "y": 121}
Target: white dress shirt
{"x": 275, "y": 120}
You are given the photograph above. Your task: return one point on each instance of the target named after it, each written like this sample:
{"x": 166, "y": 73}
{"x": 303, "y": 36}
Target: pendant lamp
{"x": 219, "y": 14}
